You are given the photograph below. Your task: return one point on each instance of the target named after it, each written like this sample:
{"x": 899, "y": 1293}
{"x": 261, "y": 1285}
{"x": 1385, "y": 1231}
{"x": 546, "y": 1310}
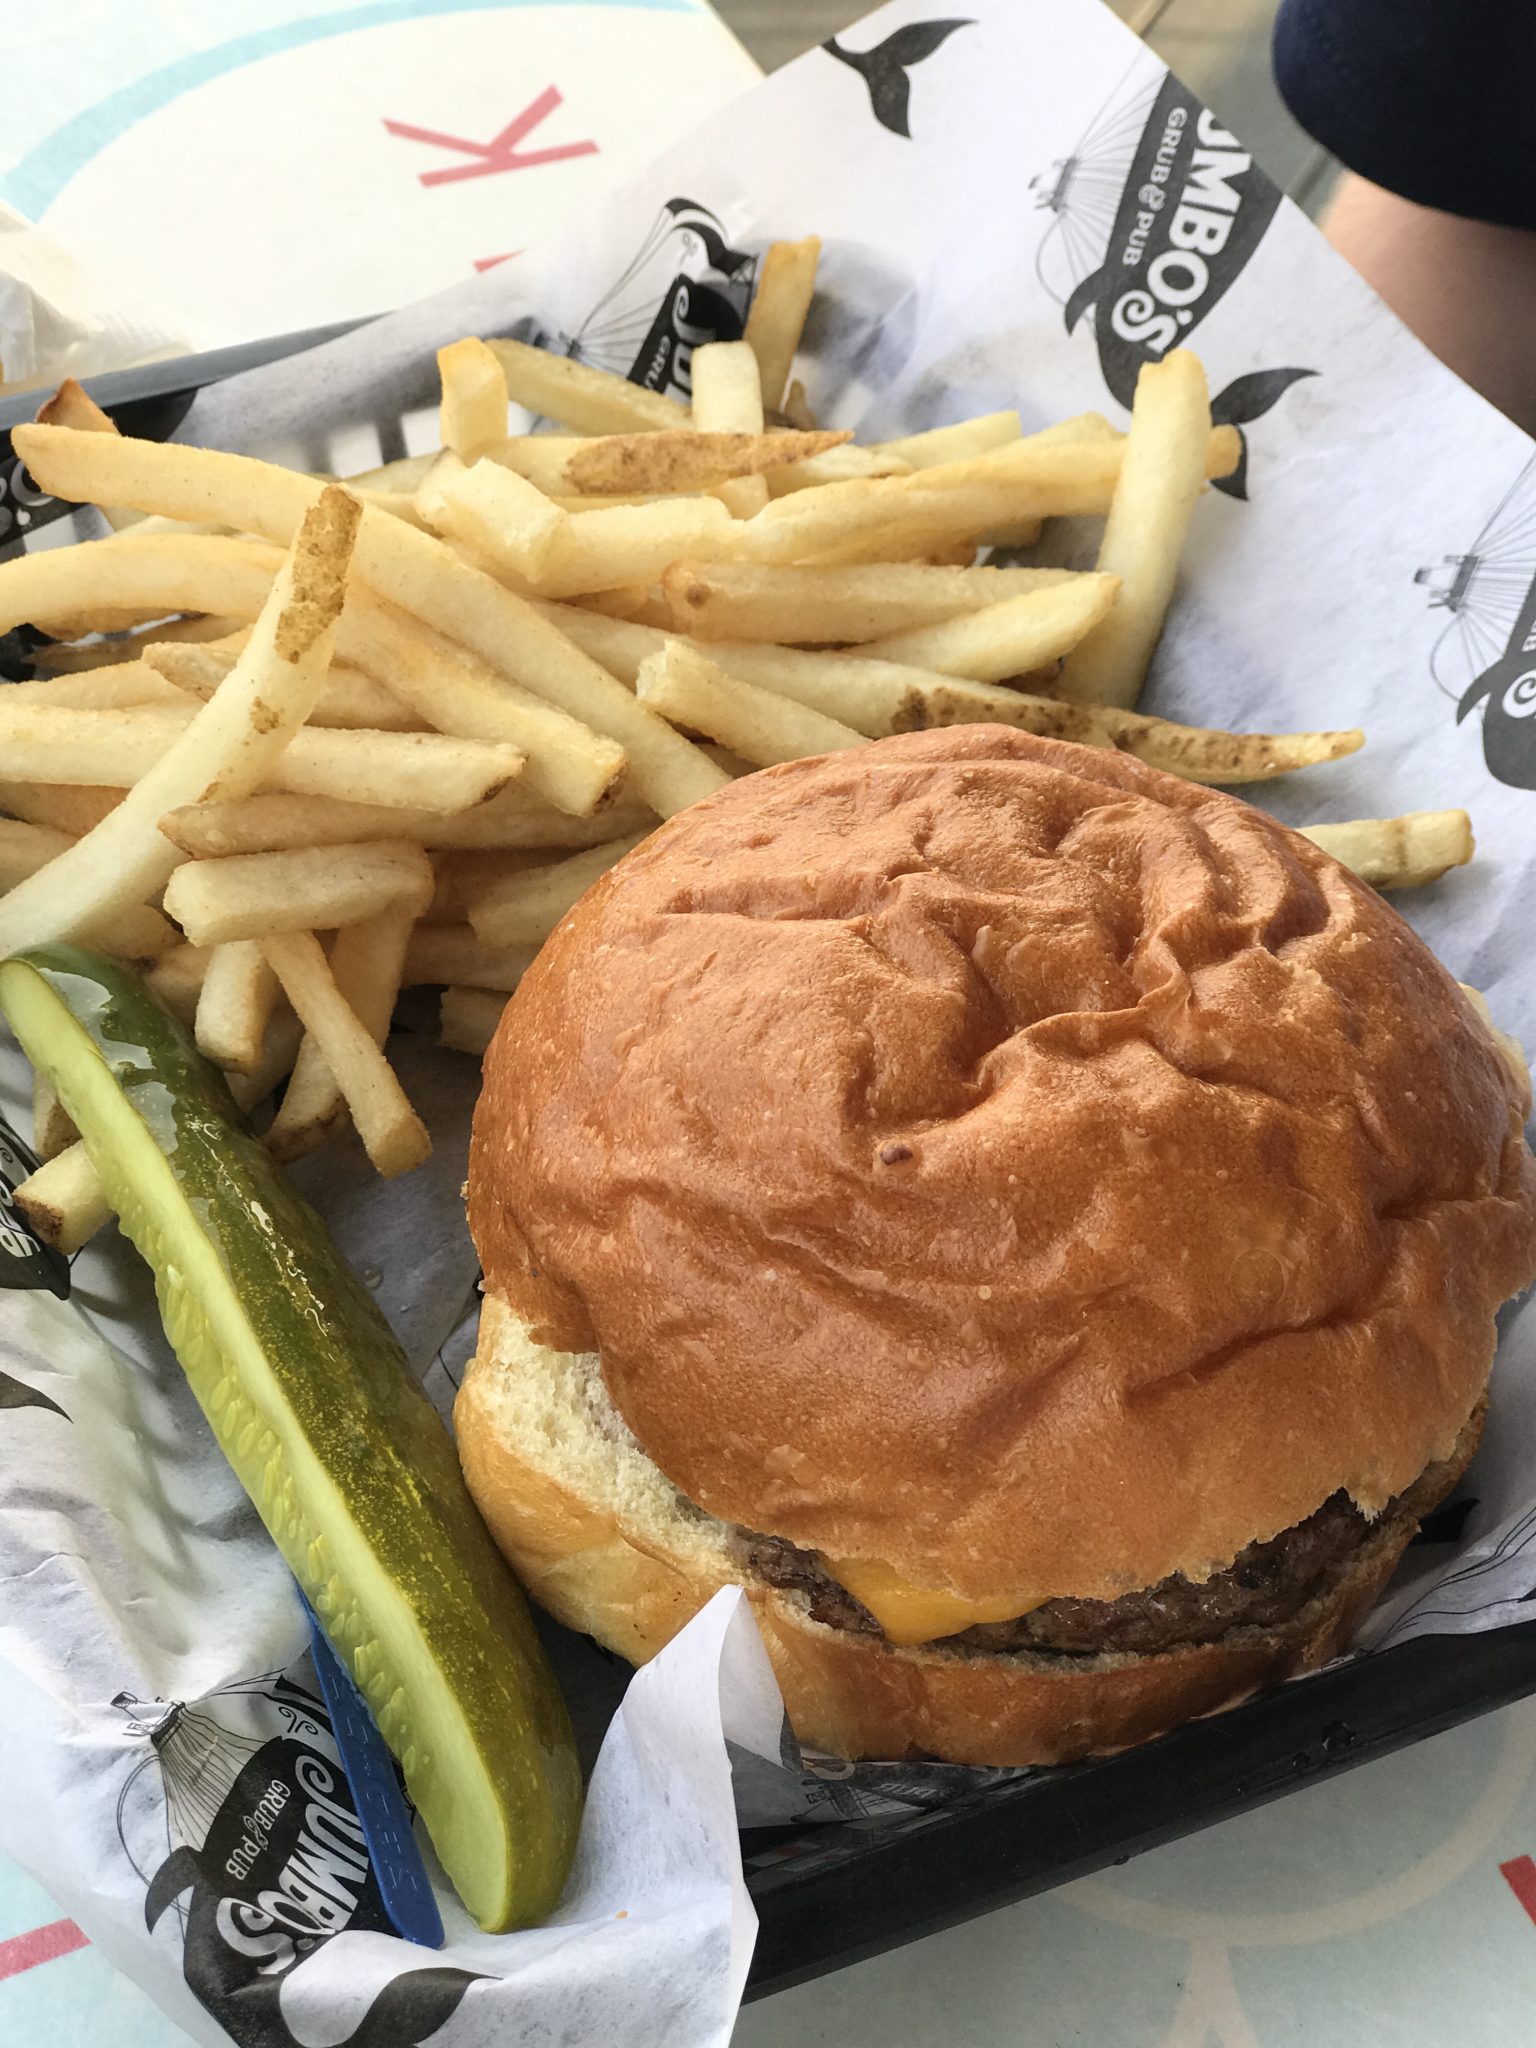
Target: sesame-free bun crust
{"x": 608, "y": 1547}
{"x": 1004, "y": 1161}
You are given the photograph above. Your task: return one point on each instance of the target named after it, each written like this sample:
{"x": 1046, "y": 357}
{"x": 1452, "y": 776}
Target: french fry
{"x": 544, "y": 459}
{"x": 631, "y": 544}
{"x": 452, "y": 955}
{"x": 253, "y": 895}
{"x": 728, "y": 399}
{"x": 350, "y": 698}
{"x": 474, "y": 405}
{"x": 796, "y": 409}
{"x": 200, "y": 628}
{"x": 684, "y": 685}
{"x": 1092, "y": 426}
{"x": 396, "y": 504}
{"x": 495, "y": 511}
{"x": 522, "y": 910}
{"x": 227, "y": 646}
{"x": 1055, "y": 453}
{"x": 732, "y": 764}
{"x": 63, "y": 1201}
{"x": 55, "y": 807}
{"x": 1024, "y": 532}
{"x": 1161, "y": 477}
{"x": 878, "y": 698}
{"x": 833, "y": 468}
{"x": 900, "y": 545}
{"x": 177, "y": 979}
{"x": 748, "y": 601}
{"x": 645, "y": 602}
{"x": 53, "y": 1130}
{"x": 676, "y": 461}
{"x": 62, "y": 744}
{"x": 280, "y": 1048}
{"x": 393, "y": 1135}
{"x": 567, "y": 762}
{"x": 141, "y": 524}
{"x": 418, "y": 572}
{"x": 608, "y": 501}
{"x": 104, "y": 689}
{"x": 463, "y": 874}
{"x": 1008, "y": 639}
{"x": 469, "y": 1017}
{"x": 25, "y": 848}
{"x": 1193, "y": 752}
{"x": 588, "y": 400}
{"x": 1055, "y": 473}
{"x": 884, "y": 519}
{"x": 427, "y": 770}
{"x": 135, "y": 932}
{"x": 366, "y": 961}
{"x": 232, "y": 742}
{"x": 62, "y": 658}
{"x": 786, "y": 281}
{"x": 953, "y": 444}
{"x": 434, "y": 771}
{"x": 405, "y": 474}
{"x": 1398, "y": 853}
{"x": 72, "y": 406}
{"x": 313, "y": 1108}
{"x": 235, "y": 1005}
{"x": 274, "y": 822}
{"x": 619, "y": 644}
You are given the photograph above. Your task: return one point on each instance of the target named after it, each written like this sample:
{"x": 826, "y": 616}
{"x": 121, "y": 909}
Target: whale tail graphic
{"x": 1249, "y": 398}
{"x": 13, "y": 1394}
{"x": 885, "y": 69}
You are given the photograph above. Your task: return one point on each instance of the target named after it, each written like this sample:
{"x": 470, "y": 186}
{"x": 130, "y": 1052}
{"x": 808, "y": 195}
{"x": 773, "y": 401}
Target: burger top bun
{"x": 1008, "y": 1163}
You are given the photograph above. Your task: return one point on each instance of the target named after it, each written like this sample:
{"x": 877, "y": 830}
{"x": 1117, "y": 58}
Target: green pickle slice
{"x": 310, "y": 1397}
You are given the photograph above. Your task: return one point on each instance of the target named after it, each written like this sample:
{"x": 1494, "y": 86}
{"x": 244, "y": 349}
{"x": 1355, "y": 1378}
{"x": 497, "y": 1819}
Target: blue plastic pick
{"x": 386, "y": 1820}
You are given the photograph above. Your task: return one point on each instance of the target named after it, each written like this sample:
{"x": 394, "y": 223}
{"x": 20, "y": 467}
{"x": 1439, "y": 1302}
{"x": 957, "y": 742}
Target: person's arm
{"x": 1428, "y": 102}
{"x": 1466, "y": 288}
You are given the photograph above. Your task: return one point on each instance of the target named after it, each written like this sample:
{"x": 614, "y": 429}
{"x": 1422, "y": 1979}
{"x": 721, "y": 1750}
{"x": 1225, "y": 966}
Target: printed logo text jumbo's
{"x": 1191, "y": 210}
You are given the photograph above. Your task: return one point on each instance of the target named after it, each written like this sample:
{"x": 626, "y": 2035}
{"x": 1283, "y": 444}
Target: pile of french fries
{"x": 297, "y": 744}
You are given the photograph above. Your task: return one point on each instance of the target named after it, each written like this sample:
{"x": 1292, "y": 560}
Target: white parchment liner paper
{"x": 1018, "y": 208}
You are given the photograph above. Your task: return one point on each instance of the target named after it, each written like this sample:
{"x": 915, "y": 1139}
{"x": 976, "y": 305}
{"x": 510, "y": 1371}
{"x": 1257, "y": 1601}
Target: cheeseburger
{"x": 1033, "y": 1223}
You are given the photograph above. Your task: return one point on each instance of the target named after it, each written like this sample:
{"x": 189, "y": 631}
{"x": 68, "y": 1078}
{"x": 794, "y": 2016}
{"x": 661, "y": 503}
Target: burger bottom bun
{"x": 603, "y": 1540}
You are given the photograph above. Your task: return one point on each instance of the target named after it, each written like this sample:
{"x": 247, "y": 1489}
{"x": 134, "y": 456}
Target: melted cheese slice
{"x": 916, "y": 1614}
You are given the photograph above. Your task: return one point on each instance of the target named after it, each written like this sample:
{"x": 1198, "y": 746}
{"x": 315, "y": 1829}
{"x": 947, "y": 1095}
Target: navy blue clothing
{"x": 1433, "y": 99}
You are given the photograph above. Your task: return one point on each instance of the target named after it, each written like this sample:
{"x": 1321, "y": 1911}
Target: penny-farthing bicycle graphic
{"x": 1484, "y": 657}
{"x": 684, "y": 286}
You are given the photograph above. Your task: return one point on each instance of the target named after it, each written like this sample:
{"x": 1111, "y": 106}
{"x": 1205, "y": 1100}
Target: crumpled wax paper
{"x": 58, "y": 319}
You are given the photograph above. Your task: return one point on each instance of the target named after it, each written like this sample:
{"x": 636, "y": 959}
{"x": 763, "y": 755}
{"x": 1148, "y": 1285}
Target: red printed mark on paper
{"x": 1520, "y": 1875}
{"x": 41, "y": 1945}
{"x": 502, "y": 152}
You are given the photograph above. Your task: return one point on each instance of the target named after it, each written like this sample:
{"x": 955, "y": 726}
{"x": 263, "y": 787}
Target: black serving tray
{"x": 837, "y": 1892}
{"x": 829, "y": 1893}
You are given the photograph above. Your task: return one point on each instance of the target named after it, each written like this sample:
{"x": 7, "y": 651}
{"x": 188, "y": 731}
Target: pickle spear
{"x": 309, "y": 1395}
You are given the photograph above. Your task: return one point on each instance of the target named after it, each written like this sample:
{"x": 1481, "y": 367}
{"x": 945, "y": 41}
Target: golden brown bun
{"x": 1004, "y": 1161}
{"x": 602, "y": 1541}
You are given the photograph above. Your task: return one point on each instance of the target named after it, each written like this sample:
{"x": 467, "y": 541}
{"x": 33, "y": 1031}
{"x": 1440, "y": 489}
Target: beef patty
{"x": 1264, "y": 1585}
